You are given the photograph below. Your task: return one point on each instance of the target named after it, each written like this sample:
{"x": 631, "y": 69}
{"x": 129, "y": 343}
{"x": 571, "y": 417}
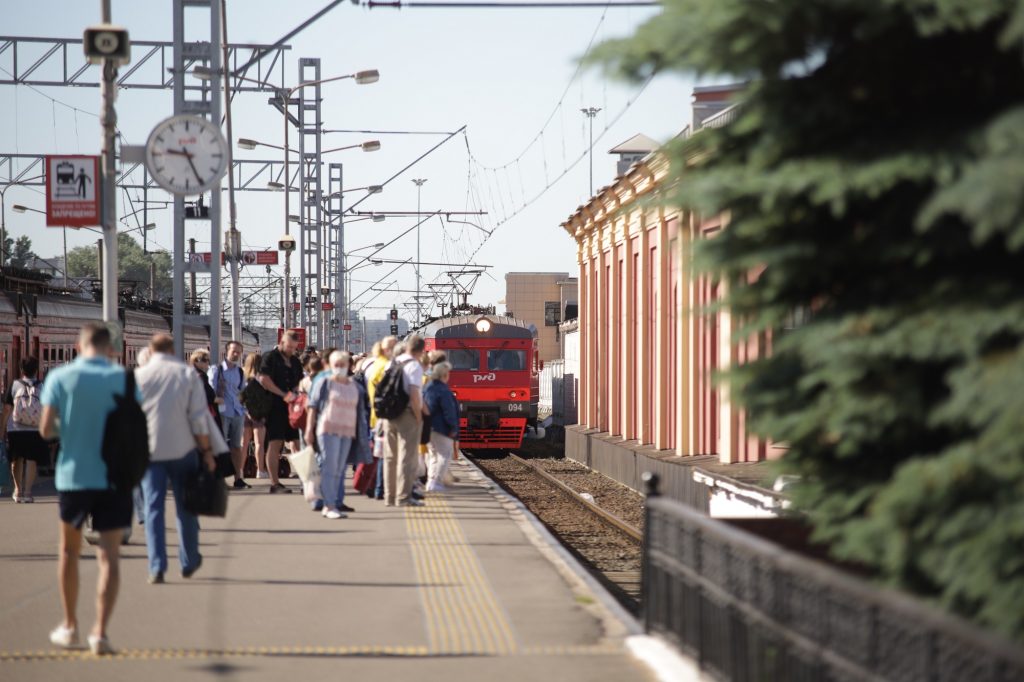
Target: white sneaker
{"x": 436, "y": 488}
{"x": 262, "y": 474}
{"x": 64, "y": 637}
{"x": 100, "y": 646}
{"x": 334, "y": 514}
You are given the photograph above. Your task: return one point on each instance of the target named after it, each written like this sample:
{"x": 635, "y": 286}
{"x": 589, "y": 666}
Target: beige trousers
{"x": 401, "y": 456}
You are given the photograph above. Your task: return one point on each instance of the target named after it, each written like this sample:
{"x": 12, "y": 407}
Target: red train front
{"x": 495, "y": 374}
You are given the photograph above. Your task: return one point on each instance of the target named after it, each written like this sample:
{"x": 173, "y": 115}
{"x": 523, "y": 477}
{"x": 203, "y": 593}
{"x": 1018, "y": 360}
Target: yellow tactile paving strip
{"x": 463, "y": 615}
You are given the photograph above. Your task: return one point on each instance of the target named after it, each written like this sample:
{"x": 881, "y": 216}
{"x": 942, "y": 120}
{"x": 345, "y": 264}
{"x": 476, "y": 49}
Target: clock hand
{"x": 192, "y": 165}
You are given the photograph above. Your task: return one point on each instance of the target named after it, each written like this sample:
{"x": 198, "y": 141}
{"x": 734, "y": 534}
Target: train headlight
{"x": 483, "y": 325}
{"x": 512, "y": 394}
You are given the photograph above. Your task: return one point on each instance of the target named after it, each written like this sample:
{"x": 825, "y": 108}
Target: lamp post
{"x": 591, "y": 112}
{"x": 347, "y": 286}
{"x": 419, "y": 188}
{"x": 3, "y": 215}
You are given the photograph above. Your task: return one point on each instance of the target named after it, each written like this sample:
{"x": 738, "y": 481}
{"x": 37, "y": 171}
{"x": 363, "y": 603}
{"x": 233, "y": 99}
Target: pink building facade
{"x": 649, "y": 347}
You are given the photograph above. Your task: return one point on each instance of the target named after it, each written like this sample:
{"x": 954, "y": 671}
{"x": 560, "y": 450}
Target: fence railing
{"x": 747, "y": 609}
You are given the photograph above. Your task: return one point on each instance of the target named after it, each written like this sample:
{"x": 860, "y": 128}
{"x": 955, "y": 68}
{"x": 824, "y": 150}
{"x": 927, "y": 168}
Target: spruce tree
{"x": 875, "y": 172}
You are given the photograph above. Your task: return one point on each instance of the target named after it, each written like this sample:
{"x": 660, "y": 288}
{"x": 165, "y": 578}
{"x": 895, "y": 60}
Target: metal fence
{"x": 747, "y": 609}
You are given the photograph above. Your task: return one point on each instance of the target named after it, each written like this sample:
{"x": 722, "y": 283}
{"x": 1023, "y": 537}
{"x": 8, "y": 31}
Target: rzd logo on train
{"x": 484, "y": 377}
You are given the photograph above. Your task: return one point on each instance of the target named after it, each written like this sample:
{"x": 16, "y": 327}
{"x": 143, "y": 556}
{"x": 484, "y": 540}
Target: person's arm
{"x": 451, "y": 415}
{"x": 268, "y": 383}
{"x": 416, "y": 401}
{"x": 48, "y": 422}
{"x": 310, "y": 434}
{"x": 197, "y": 416}
{"x": 5, "y": 416}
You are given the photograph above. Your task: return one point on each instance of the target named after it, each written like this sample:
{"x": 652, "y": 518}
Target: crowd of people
{"x": 272, "y": 402}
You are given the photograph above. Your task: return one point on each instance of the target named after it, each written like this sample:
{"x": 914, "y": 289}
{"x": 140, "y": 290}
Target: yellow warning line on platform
{"x": 366, "y": 651}
{"x": 463, "y": 615}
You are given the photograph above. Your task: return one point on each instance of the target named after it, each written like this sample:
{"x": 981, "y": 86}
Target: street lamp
{"x": 360, "y": 77}
{"x": 419, "y": 188}
{"x": 3, "y": 214}
{"x": 591, "y": 112}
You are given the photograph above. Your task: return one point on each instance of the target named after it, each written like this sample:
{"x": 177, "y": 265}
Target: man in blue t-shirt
{"x": 76, "y": 400}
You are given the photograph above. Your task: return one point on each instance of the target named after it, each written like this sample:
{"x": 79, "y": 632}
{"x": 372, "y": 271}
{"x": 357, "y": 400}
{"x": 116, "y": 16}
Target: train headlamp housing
{"x": 483, "y": 325}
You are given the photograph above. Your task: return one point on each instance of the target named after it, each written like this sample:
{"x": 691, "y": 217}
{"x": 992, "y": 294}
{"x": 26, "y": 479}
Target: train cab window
{"x": 461, "y": 358}
{"x": 498, "y": 360}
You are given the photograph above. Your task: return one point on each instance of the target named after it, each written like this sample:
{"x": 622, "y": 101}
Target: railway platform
{"x": 465, "y": 588}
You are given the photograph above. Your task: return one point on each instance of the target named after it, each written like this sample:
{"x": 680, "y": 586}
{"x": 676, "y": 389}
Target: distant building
{"x": 632, "y": 150}
{"x": 545, "y": 300}
{"x": 366, "y": 332}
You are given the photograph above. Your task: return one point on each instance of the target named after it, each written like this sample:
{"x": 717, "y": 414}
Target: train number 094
{"x": 515, "y": 407}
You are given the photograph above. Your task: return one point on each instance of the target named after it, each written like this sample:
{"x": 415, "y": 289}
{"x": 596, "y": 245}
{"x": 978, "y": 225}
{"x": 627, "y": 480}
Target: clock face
{"x": 186, "y": 154}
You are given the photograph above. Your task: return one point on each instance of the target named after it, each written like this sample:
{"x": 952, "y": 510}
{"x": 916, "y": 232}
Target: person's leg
{"x": 433, "y": 460}
{"x": 408, "y": 454}
{"x": 441, "y": 450}
{"x": 154, "y": 491}
{"x": 344, "y": 450}
{"x": 17, "y": 466}
{"x": 391, "y": 462}
{"x": 108, "y": 581}
{"x": 260, "y": 431}
{"x": 179, "y": 471}
{"x": 30, "y": 478}
{"x": 67, "y": 571}
{"x": 273, "y": 458}
{"x": 331, "y": 471}
{"x": 139, "y": 503}
{"x": 378, "y": 489}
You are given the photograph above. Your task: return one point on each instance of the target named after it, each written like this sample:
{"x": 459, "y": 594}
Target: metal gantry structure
{"x": 311, "y": 212}
{"x": 202, "y": 102}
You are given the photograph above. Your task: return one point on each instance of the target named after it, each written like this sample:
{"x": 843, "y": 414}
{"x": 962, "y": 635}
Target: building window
{"x": 552, "y": 314}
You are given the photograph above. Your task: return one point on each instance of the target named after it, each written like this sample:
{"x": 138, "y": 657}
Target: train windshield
{"x": 498, "y": 360}
{"x": 461, "y": 358}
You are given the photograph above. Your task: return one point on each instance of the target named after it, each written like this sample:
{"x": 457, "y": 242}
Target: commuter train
{"x": 495, "y": 376}
{"x": 50, "y": 333}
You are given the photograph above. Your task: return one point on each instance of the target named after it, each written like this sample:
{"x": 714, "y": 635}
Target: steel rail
{"x": 606, "y": 516}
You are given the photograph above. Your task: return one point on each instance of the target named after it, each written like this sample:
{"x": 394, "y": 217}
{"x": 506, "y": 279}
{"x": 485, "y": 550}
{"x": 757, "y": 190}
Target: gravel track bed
{"x": 610, "y": 495}
{"x": 605, "y": 548}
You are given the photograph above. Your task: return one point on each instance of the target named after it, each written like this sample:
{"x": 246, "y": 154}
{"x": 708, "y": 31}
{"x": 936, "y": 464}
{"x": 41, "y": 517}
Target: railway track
{"x": 607, "y": 545}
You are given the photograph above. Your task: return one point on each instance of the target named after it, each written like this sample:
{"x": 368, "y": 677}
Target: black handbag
{"x": 206, "y": 494}
{"x": 224, "y": 466}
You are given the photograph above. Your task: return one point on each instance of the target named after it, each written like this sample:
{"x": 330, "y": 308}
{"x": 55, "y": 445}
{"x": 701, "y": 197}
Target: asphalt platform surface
{"x": 461, "y": 589}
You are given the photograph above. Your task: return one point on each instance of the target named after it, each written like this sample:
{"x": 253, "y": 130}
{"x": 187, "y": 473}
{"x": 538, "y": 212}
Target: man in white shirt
{"x": 177, "y": 416}
{"x": 402, "y": 434}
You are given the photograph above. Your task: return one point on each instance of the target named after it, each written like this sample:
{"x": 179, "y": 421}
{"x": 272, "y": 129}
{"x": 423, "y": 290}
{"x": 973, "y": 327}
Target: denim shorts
{"x": 233, "y": 430}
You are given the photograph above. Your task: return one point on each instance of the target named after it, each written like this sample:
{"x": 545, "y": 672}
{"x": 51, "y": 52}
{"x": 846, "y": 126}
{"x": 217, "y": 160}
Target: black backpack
{"x": 256, "y": 400}
{"x": 126, "y": 439}
{"x": 391, "y": 397}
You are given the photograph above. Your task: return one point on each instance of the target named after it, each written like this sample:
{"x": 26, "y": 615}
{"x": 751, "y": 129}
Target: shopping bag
{"x": 311, "y": 489}
{"x": 304, "y": 463}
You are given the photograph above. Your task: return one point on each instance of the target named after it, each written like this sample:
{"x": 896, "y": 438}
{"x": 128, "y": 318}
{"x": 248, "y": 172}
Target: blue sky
{"x": 499, "y": 72}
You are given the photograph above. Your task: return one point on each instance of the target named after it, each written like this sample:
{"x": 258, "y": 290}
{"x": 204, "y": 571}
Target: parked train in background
{"x": 37, "y": 321}
{"x": 495, "y": 376}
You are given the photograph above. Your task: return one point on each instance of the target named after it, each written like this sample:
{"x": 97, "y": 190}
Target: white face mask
{"x": 339, "y": 371}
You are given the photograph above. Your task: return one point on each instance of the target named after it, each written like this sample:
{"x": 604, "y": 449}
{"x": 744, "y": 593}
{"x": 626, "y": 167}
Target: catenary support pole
{"x": 109, "y": 180}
